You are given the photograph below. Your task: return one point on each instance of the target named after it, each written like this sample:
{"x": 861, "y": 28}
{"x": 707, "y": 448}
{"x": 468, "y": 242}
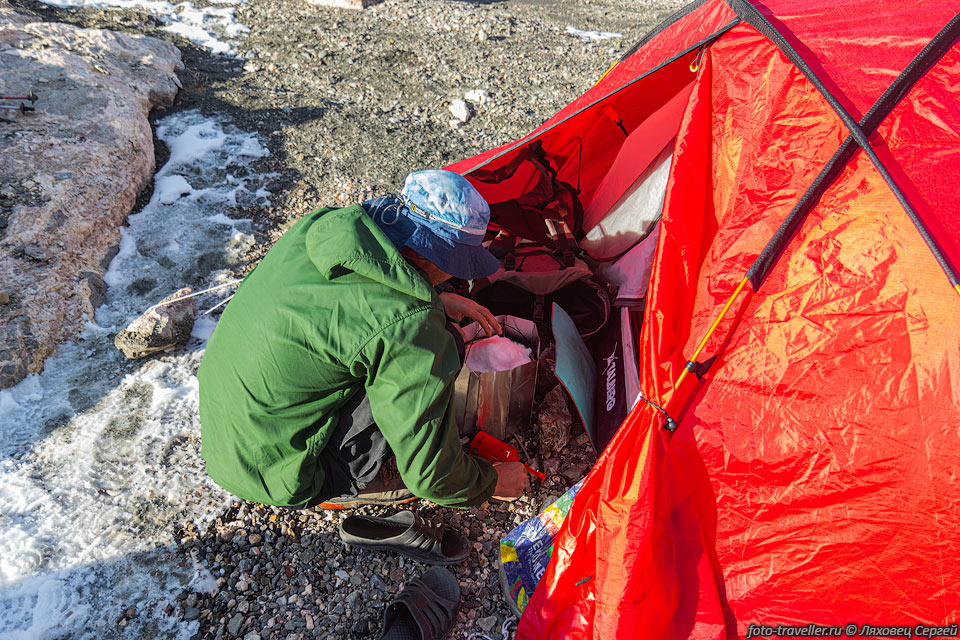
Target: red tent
{"x": 800, "y": 332}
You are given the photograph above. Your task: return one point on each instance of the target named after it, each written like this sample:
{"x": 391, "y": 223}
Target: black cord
{"x": 671, "y": 424}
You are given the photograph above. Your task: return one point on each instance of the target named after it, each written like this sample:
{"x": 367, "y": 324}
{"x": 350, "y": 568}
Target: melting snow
{"x": 99, "y": 456}
{"x": 591, "y": 36}
{"x": 210, "y": 27}
{"x": 496, "y": 353}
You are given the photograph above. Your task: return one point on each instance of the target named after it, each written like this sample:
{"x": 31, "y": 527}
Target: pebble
{"x": 461, "y": 110}
{"x": 362, "y": 627}
{"x": 488, "y": 623}
{"x": 233, "y": 627}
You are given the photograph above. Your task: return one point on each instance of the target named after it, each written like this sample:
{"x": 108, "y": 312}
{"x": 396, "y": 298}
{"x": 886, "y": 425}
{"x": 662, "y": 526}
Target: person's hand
{"x": 457, "y": 308}
{"x": 512, "y": 481}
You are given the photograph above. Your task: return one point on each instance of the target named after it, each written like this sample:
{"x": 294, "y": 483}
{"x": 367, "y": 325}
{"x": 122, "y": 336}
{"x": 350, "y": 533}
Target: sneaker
{"x": 386, "y": 489}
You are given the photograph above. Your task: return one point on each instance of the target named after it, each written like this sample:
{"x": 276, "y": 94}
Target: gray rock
{"x": 93, "y": 288}
{"x": 362, "y": 627}
{"x": 165, "y": 325}
{"x": 73, "y": 171}
{"x": 190, "y": 613}
{"x": 233, "y": 627}
{"x": 488, "y": 623}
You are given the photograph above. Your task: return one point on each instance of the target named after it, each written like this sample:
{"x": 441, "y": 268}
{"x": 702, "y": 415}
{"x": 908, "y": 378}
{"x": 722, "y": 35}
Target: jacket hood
{"x": 345, "y": 241}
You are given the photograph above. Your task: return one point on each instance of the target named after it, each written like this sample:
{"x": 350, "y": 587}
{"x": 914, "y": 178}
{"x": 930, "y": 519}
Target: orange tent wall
{"x": 813, "y": 478}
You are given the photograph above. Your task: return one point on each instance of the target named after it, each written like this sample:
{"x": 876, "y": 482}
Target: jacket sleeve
{"x": 409, "y": 370}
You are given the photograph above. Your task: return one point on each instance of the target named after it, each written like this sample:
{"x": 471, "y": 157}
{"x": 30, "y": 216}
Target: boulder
{"x": 70, "y": 172}
{"x": 161, "y": 327}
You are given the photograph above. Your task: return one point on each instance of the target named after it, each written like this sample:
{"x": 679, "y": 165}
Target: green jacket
{"x": 332, "y": 308}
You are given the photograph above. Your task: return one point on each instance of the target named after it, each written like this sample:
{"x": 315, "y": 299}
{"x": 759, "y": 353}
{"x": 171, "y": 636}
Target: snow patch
{"x": 593, "y": 36}
{"x": 214, "y": 28}
{"x": 99, "y": 456}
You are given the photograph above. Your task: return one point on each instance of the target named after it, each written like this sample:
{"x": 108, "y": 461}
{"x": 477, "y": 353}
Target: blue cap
{"x": 451, "y": 219}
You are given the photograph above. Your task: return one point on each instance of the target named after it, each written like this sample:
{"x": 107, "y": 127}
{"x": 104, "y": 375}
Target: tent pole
{"x": 691, "y": 363}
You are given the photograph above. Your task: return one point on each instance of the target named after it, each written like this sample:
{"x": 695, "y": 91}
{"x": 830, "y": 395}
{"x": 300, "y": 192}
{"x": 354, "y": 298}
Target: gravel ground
{"x": 348, "y": 103}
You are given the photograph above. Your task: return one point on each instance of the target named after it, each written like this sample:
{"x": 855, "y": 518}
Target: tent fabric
{"x": 812, "y": 477}
{"x": 857, "y": 58}
{"x": 674, "y": 39}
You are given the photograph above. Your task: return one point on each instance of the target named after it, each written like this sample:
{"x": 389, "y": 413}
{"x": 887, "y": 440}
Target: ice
{"x": 593, "y": 36}
{"x": 99, "y": 456}
{"x": 496, "y": 353}
{"x": 209, "y": 27}
{"x": 171, "y": 189}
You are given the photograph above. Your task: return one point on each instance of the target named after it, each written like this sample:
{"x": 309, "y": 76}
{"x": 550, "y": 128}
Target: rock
{"x": 234, "y": 625}
{"x": 71, "y": 171}
{"x": 362, "y": 627}
{"x": 461, "y": 110}
{"x": 479, "y": 96}
{"x": 164, "y": 325}
{"x": 253, "y": 635}
{"x": 4, "y": 297}
{"x": 190, "y": 613}
{"x": 93, "y": 288}
{"x": 488, "y": 623}
{"x": 555, "y": 422}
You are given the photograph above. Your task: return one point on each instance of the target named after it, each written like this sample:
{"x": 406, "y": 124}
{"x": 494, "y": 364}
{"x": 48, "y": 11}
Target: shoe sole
{"x": 352, "y": 504}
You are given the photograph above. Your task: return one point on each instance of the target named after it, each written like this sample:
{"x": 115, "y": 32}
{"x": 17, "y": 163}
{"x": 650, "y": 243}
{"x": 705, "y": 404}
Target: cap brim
{"x": 467, "y": 262}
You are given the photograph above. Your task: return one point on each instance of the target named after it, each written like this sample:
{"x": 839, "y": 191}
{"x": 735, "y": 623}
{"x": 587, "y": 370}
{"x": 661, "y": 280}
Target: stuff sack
{"x": 525, "y": 551}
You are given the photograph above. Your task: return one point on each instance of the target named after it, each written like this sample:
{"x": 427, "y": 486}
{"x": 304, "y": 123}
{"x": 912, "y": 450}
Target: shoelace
{"x": 504, "y": 631}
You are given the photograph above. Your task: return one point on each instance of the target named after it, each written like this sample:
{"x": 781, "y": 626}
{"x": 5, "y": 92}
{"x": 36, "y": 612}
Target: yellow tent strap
{"x": 703, "y": 343}
{"x": 957, "y": 288}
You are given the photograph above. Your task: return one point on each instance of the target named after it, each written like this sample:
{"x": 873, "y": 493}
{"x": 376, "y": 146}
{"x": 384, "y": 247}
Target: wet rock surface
{"x": 70, "y": 172}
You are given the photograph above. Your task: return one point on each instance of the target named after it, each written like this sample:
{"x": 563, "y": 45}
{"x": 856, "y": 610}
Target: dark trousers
{"x": 357, "y": 449}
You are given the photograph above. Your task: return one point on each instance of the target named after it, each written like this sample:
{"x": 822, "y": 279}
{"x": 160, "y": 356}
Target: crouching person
{"x": 329, "y": 378}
